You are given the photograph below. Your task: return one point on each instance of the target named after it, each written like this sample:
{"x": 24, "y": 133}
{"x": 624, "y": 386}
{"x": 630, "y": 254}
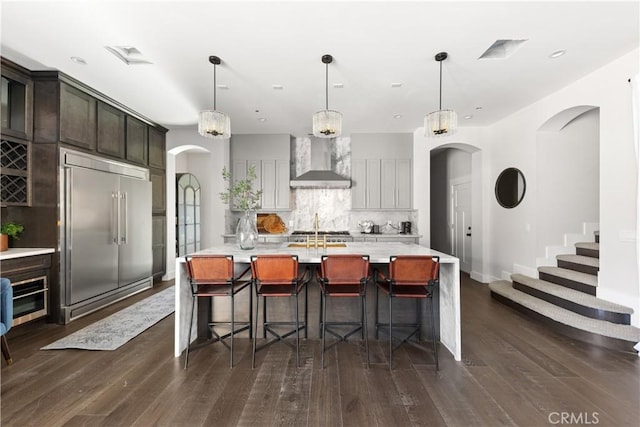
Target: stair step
{"x": 576, "y": 301}
{"x": 504, "y": 291}
{"x": 590, "y": 249}
{"x": 572, "y": 279}
{"x": 580, "y": 263}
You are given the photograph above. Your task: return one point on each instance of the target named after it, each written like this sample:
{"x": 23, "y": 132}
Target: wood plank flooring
{"x": 514, "y": 371}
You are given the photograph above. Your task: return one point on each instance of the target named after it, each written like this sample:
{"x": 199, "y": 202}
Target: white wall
{"x": 513, "y": 143}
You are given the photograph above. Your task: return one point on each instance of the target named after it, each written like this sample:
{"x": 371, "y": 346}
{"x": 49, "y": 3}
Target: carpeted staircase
{"x": 564, "y": 296}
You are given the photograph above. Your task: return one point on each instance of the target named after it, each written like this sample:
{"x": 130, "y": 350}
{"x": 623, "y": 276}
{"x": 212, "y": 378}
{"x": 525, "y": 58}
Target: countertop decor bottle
{"x": 247, "y": 231}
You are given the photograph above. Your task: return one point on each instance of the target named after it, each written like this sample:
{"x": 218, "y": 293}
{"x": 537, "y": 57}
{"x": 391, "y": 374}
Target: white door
{"x": 462, "y": 224}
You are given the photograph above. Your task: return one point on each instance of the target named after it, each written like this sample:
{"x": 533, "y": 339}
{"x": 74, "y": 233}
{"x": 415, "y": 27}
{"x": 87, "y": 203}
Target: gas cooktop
{"x": 332, "y": 236}
{"x": 322, "y": 233}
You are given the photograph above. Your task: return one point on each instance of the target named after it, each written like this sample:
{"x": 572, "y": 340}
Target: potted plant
{"x": 242, "y": 196}
{"x": 9, "y": 229}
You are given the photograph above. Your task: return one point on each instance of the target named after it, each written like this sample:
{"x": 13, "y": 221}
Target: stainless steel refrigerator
{"x": 106, "y": 248}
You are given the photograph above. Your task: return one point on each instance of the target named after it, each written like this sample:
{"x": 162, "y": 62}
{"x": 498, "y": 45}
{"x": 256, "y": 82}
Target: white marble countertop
{"x": 378, "y": 252}
{"x": 24, "y": 252}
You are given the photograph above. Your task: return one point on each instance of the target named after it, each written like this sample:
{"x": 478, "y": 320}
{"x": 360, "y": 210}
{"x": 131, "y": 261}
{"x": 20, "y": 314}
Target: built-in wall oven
{"x": 30, "y": 299}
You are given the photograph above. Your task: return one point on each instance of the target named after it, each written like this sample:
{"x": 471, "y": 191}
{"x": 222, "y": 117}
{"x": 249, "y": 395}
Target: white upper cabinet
{"x": 381, "y": 171}
{"x": 270, "y": 154}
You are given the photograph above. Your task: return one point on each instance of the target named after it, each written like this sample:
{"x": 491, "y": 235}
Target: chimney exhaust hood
{"x": 320, "y": 175}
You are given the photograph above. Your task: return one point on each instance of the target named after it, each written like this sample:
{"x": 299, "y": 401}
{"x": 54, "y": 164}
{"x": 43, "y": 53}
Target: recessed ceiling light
{"x": 397, "y": 116}
{"x": 262, "y": 119}
{"x": 468, "y": 116}
{"x": 277, "y": 87}
{"x": 557, "y": 53}
{"x": 222, "y": 86}
{"x": 338, "y": 85}
{"x": 78, "y": 60}
{"x": 396, "y": 84}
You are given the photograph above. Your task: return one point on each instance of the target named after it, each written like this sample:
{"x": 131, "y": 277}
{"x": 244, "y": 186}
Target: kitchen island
{"x": 379, "y": 253}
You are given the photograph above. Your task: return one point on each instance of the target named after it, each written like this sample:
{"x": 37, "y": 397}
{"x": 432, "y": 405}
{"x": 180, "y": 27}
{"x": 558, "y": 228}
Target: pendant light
{"x": 327, "y": 123}
{"x": 214, "y": 124}
{"x": 441, "y": 122}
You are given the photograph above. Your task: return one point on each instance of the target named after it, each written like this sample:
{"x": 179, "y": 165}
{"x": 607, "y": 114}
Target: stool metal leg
{"x": 193, "y": 307}
{"x": 377, "y": 316}
{"x": 433, "y": 334}
{"x": 255, "y": 332}
{"x": 366, "y": 329}
{"x": 297, "y": 336}
{"x": 324, "y": 323}
{"x": 390, "y": 331}
{"x": 233, "y": 327}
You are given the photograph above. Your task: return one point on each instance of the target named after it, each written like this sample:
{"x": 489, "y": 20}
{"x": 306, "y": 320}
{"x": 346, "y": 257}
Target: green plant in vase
{"x": 242, "y": 196}
{"x": 9, "y": 229}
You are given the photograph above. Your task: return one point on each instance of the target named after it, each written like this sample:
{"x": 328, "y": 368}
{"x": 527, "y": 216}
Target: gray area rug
{"x": 115, "y": 330}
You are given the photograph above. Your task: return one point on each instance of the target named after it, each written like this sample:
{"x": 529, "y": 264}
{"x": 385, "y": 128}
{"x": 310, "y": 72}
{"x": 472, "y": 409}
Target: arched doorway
{"x": 455, "y": 211}
{"x": 568, "y": 175}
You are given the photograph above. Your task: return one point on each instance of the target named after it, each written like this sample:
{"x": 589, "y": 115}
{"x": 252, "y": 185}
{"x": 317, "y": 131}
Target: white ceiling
{"x": 374, "y": 44}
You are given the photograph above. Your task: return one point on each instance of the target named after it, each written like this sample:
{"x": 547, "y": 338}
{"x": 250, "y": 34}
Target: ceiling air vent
{"x": 502, "y": 49}
{"x": 128, "y": 54}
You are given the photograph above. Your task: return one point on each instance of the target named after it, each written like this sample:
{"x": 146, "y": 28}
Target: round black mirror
{"x": 510, "y": 188}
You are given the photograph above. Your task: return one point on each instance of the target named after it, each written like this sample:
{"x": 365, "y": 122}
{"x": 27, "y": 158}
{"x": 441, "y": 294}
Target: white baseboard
{"x": 482, "y": 278}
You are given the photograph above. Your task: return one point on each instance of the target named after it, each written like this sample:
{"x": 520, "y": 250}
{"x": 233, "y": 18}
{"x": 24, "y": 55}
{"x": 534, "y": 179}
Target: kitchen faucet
{"x": 316, "y": 242}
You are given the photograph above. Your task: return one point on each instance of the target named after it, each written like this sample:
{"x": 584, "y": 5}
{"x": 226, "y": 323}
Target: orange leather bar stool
{"x": 276, "y": 276}
{"x": 411, "y": 276}
{"x": 343, "y": 276}
{"x": 212, "y": 276}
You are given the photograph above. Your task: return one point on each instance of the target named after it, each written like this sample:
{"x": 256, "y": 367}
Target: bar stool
{"x": 212, "y": 276}
{"x": 410, "y": 276}
{"x": 343, "y": 276}
{"x": 277, "y": 276}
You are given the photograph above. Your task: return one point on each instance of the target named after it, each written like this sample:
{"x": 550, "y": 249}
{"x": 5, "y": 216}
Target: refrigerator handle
{"x": 115, "y": 220}
{"x": 125, "y": 203}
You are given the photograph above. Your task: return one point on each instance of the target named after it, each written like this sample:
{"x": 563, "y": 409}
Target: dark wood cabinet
{"x": 110, "y": 131}
{"x": 137, "y": 149}
{"x": 15, "y": 158}
{"x": 158, "y": 191}
{"x": 77, "y": 117}
{"x": 158, "y": 227}
{"x": 17, "y": 101}
{"x": 156, "y": 148}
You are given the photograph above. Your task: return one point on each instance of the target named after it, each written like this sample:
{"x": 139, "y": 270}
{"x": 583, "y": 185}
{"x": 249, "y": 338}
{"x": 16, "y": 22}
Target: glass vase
{"x": 247, "y": 231}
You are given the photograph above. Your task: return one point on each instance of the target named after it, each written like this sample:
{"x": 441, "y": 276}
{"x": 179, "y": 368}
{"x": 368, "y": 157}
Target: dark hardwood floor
{"x": 514, "y": 372}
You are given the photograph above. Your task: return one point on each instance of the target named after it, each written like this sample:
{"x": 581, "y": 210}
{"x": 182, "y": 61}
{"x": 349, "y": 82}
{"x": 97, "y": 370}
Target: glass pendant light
{"x": 214, "y": 124}
{"x": 327, "y": 123}
{"x": 441, "y": 122}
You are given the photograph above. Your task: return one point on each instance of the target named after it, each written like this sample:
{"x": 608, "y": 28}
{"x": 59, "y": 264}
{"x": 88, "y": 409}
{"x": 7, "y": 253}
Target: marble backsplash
{"x": 332, "y": 205}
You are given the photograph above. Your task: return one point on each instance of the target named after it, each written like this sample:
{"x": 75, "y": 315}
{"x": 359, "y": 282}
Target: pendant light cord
{"x": 440, "y": 104}
{"x": 326, "y": 86}
{"x": 214, "y": 86}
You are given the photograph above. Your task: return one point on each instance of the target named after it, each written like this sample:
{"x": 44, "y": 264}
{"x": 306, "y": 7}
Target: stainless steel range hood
{"x": 320, "y": 175}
